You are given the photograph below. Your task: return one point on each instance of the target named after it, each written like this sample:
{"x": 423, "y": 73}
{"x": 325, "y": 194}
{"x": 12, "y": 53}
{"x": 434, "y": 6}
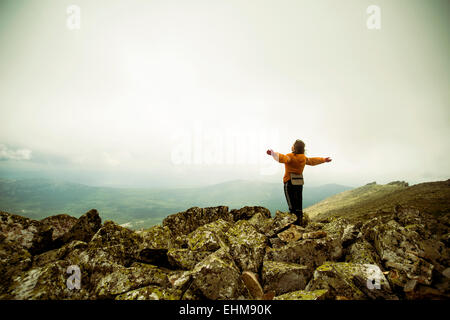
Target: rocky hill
{"x": 360, "y": 203}
{"x": 401, "y": 252}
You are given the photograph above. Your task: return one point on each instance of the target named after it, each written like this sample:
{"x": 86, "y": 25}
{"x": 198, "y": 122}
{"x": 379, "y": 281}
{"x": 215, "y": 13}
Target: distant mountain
{"x": 429, "y": 197}
{"x": 141, "y": 208}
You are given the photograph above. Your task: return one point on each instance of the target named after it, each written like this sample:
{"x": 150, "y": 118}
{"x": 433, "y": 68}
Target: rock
{"x": 281, "y": 221}
{"x": 276, "y": 243}
{"x": 208, "y": 237}
{"x": 314, "y": 235}
{"x": 304, "y": 295}
{"x": 116, "y": 244}
{"x": 186, "y": 258}
{"x": 270, "y": 227}
{"x": 151, "y": 293}
{"x": 218, "y": 278}
{"x": 13, "y": 260}
{"x": 291, "y": 234}
{"x": 181, "y": 280}
{"x": 416, "y": 291}
{"x": 362, "y": 252}
{"x": 338, "y": 227}
{"x": 410, "y": 286}
{"x": 398, "y": 249}
{"x": 57, "y": 254}
{"x": 157, "y": 237}
{"x": 283, "y": 277}
{"x": 30, "y": 234}
{"x": 260, "y": 222}
{"x": 46, "y": 283}
{"x": 350, "y": 235}
{"x": 309, "y": 252}
{"x": 446, "y": 273}
{"x": 126, "y": 279}
{"x": 247, "y": 246}
{"x": 83, "y": 230}
{"x": 253, "y": 285}
{"x": 61, "y": 223}
{"x": 187, "y": 221}
{"x": 246, "y": 213}
{"x": 339, "y": 278}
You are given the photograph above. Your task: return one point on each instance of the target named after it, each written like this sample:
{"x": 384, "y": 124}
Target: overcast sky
{"x": 188, "y": 92}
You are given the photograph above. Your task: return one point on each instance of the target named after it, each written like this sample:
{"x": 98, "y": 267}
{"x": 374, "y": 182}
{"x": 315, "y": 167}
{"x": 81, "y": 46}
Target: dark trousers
{"x": 294, "y": 198}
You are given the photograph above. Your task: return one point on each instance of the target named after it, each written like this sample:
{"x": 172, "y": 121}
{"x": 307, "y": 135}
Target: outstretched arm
{"x": 278, "y": 156}
{"x": 317, "y": 160}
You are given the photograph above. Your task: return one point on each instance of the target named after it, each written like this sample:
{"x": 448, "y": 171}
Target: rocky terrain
{"x": 217, "y": 253}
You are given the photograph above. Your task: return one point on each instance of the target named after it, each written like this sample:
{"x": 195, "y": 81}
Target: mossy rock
{"x": 283, "y": 277}
{"x": 186, "y": 258}
{"x": 340, "y": 278}
{"x": 247, "y": 246}
{"x": 151, "y": 293}
{"x": 304, "y": 295}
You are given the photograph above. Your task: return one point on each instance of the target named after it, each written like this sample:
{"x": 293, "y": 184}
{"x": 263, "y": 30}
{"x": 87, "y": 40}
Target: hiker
{"x": 293, "y": 177}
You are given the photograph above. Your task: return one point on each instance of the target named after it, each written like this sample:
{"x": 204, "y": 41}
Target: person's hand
{"x": 269, "y": 152}
{"x": 327, "y": 159}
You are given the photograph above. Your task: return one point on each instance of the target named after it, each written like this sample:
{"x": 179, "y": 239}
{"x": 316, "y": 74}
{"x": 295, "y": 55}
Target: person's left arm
{"x": 316, "y": 160}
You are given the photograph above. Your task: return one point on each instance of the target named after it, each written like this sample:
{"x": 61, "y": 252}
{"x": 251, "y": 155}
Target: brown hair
{"x": 299, "y": 147}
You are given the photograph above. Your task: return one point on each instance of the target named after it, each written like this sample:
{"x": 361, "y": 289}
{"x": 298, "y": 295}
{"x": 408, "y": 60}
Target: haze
{"x": 187, "y": 93}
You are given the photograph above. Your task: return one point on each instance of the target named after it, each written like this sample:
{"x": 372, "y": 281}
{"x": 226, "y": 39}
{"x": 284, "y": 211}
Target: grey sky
{"x": 113, "y": 102}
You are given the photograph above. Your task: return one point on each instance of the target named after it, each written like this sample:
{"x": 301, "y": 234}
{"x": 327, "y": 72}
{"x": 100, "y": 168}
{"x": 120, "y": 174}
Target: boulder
{"x": 187, "y": 221}
{"x": 247, "y": 212}
{"x": 30, "y": 234}
{"x": 126, "y": 279}
{"x": 398, "y": 249}
{"x": 57, "y": 254}
{"x": 186, "y": 258}
{"x": 116, "y": 244}
{"x": 157, "y": 237}
{"x": 362, "y": 252}
{"x": 83, "y": 230}
{"x": 151, "y": 293}
{"x": 261, "y": 222}
{"x": 271, "y": 226}
{"x": 314, "y": 235}
{"x": 61, "y": 223}
{"x": 46, "y": 283}
{"x": 218, "y": 278}
{"x": 276, "y": 243}
{"x": 208, "y": 237}
{"x": 283, "y": 277}
{"x": 351, "y": 280}
{"x": 281, "y": 221}
{"x": 247, "y": 246}
{"x": 291, "y": 234}
{"x": 309, "y": 252}
{"x": 304, "y": 295}
{"x": 13, "y": 260}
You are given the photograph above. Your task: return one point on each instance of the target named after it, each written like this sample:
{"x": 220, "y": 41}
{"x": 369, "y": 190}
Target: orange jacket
{"x": 295, "y": 163}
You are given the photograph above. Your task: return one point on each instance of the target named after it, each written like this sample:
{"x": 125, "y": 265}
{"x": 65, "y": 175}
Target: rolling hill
{"x": 429, "y": 197}
{"x": 142, "y": 208}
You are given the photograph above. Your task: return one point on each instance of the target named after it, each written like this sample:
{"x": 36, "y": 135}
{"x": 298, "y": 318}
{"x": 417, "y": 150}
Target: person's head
{"x": 298, "y": 147}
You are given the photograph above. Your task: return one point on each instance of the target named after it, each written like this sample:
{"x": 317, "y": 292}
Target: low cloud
{"x": 11, "y": 154}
